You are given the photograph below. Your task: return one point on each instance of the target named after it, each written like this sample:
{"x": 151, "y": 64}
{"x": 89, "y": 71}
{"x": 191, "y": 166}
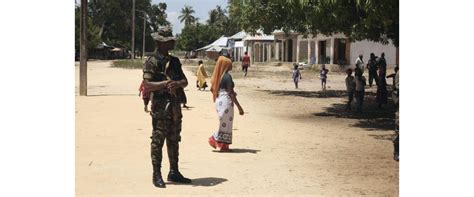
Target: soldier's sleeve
{"x": 148, "y": 69}
{"x": 180, "y": 69}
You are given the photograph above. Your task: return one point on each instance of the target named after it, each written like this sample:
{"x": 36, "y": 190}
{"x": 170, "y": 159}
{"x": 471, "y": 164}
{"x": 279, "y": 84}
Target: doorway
{"x": 322, "y": 52}
{"x": 290, "y": 50}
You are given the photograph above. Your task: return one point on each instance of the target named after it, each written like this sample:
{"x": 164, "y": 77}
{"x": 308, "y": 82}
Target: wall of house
{"x": 366, "y": 47}
{"x": 303, "y": 56}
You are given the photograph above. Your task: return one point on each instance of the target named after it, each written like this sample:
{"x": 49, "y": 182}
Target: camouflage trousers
{"x": 166, "y": 121}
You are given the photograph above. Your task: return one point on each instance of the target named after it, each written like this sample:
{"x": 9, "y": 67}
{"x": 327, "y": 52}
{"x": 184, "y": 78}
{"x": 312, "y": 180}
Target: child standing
{"x": 359, "y": 88}
{"x": 296, "y": 75}
{"x": 350, "y": 87}
{"x": 323, "y": 75}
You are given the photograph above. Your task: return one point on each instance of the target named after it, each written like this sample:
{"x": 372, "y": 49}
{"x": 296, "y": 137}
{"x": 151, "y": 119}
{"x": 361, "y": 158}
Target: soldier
{"x": 395, "y": 94}
{"x": 164, "y": 78}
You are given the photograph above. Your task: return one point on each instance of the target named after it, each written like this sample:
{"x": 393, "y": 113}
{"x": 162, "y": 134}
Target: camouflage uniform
{"x": 395, "y": 95}
{"x": 165, "y": 109}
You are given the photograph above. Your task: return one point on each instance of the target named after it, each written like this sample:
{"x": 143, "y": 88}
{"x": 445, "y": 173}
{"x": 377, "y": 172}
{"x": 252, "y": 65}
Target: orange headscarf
{"x": 223, "y": 65}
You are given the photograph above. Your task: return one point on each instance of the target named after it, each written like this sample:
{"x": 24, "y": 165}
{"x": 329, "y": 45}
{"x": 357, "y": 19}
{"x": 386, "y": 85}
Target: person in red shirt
{"x": 245, "y": 63}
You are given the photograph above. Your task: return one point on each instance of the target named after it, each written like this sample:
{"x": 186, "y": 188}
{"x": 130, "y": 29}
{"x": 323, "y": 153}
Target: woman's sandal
{"x": 212, "y": 142}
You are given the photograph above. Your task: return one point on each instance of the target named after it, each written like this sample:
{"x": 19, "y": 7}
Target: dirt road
{"x": 288, "y": 142}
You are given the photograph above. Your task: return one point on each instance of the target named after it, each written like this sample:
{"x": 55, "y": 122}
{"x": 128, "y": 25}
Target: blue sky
{"x": 201, "y": 8}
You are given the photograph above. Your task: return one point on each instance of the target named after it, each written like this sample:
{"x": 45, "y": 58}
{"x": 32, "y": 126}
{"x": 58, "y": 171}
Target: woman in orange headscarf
{"x": 222, "y": 88}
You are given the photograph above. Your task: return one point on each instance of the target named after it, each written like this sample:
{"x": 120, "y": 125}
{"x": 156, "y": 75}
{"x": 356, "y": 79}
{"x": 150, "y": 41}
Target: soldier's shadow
{"x": 204, "y": 182}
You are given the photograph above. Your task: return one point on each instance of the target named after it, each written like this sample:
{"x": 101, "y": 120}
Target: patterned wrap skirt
{"x": 225, "y": 112}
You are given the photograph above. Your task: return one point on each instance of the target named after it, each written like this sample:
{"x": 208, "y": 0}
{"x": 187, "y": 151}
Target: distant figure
{"x": 323, "y": 74}
{"x": 350, "y": 87}
{"x": 245, "y": 63}
{"x": 223, "y": 94}
{"x": 312, "y": 60}
{"x": 382, "y": 69}
{"x": 372, "y": 67}
{"x": 360, "y": 63}
{"x": 393, "y": 76}
{"x": 359, "y": 89}
{"x": 296, "y": 75}
{"x": 201, "y": 76}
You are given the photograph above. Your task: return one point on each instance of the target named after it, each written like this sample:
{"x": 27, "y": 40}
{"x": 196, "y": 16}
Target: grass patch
{"x": 129, "y": 63}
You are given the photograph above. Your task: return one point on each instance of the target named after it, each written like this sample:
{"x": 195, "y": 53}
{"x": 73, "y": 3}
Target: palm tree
{"x": 186, "y": 15}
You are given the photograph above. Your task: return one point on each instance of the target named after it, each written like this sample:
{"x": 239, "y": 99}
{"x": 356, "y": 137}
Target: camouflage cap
{"x": 163, "y": 34}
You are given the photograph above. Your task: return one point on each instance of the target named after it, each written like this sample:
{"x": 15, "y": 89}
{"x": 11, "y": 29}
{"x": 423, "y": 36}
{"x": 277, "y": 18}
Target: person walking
{"x": 164, "y": 78}
{"x": 245, "y": 63}
{"x": 201, "y": 76}
{"x": 223, "y": 94}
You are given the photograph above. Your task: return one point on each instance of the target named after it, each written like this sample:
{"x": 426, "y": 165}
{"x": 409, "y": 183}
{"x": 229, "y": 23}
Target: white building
{"x": 335, "y": 49}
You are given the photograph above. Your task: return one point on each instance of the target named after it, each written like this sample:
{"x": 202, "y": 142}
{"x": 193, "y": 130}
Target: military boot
{"x": 176, "y": 176}
{"x": 157, "y": 179}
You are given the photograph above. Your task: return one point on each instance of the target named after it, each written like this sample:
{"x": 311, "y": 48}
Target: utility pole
{"x": 144, "y": 25}
{"x": 145, "y": 16}
{"x": 133, "y": 30}
{"x": 83, "y": 50}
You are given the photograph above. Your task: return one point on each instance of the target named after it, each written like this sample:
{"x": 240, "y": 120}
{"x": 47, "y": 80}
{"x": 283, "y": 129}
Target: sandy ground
{"x": 288, "y": 143}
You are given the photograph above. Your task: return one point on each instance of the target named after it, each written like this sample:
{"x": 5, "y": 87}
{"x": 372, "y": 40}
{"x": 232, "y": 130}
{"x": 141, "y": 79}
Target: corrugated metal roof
{"x": 222, "y": 42}
{"x": 260, "y": 36}
{"x": 238, "y": 36}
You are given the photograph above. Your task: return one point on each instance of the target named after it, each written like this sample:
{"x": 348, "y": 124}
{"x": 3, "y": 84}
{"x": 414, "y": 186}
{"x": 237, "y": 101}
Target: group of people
{"x": 377, "y": 72}
{"x": 164, "y": 82}
{"x": 355, "y": 86}
{"x": 163, "y": 85}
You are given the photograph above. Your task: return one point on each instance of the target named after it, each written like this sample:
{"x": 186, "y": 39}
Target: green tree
{"x": 158, "y": 16}
{"x": 375, "y": 20}
{"x": 93, "y": 35}
{"x": 186, "y": 15}
{"x": 198, "y": 35}
{"x": 114, "y": 21}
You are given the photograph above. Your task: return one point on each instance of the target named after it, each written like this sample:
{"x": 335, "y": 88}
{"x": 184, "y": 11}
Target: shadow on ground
{"x": 204, "y": 182}
{"x": 308, "y": 94}
{"x": 240, "y": 150}
{"x": 372, "y": 118}
{"x": 317, "y": 94}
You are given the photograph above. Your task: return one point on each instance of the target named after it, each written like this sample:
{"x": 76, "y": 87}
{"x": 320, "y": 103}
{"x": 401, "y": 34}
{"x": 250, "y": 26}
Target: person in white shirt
{"x": 360, "y": 63}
